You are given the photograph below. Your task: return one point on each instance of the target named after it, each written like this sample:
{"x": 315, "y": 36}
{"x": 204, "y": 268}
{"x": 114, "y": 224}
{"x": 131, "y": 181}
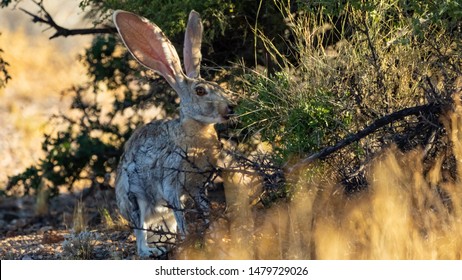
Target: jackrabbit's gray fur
{"x": 165, "y": 162}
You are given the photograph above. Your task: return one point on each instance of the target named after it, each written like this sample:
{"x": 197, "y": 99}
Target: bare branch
{"x": 47, "y": 19}
{"x": 379, "y": 123}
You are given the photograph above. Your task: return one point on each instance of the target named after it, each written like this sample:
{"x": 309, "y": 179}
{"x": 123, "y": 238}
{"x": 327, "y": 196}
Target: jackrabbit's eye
{"x": 201, "y": 91}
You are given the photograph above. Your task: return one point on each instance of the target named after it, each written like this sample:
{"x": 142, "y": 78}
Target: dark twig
{"x": 62, "y": 31}
{"x": 386, "y": 120}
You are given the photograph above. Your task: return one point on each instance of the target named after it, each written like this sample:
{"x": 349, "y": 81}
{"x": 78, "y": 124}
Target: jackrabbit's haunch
{"x": 167, "y": 162}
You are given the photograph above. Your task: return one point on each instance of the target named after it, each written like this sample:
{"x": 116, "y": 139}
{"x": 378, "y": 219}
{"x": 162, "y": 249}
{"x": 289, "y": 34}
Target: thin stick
{"x": 62, "y": 31}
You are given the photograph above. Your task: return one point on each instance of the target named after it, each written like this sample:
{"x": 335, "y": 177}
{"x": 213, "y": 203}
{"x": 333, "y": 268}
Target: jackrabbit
{"x": 165, "y": 162}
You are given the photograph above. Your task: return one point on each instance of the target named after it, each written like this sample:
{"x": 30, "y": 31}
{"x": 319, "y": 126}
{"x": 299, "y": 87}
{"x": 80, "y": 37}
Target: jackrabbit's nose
{"x": 229, "y": 112}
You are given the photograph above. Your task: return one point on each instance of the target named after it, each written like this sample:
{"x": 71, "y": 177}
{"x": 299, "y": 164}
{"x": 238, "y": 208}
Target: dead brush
{"x": 79, "y": 246}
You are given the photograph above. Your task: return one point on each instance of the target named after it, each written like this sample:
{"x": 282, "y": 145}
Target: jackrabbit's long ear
{"x": 148, "y": 44}
{"x": 192, "y": 45}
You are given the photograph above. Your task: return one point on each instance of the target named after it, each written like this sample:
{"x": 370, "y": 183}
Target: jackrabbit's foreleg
{"x": 141, "y": 233}
{"x": 173, "y": 198}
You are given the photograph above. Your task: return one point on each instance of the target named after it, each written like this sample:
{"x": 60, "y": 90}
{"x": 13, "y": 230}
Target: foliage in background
{"x": 227, "y": 24}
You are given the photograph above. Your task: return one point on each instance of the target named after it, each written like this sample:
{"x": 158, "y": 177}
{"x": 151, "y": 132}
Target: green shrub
{"x": 294, "y": 117}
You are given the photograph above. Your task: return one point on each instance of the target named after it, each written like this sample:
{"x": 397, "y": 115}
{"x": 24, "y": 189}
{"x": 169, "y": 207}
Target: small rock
{"x": 26, "y": 257}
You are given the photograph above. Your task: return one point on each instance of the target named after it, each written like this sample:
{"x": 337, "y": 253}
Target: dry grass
{"x": 402, "y": 216}
{"x": 407, "y": 212}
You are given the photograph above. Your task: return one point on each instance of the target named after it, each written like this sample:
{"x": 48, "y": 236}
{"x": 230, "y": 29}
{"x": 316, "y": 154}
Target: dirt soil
{"x": 26, "y": 235}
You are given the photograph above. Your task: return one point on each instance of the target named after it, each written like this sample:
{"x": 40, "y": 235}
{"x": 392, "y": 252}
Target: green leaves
{"x": 295, "y": 118}
{"x": 104, "y": 64}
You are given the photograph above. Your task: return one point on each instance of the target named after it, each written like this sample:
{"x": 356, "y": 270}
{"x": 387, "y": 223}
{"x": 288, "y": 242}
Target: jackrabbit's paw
{"x": 146, "y": 251}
